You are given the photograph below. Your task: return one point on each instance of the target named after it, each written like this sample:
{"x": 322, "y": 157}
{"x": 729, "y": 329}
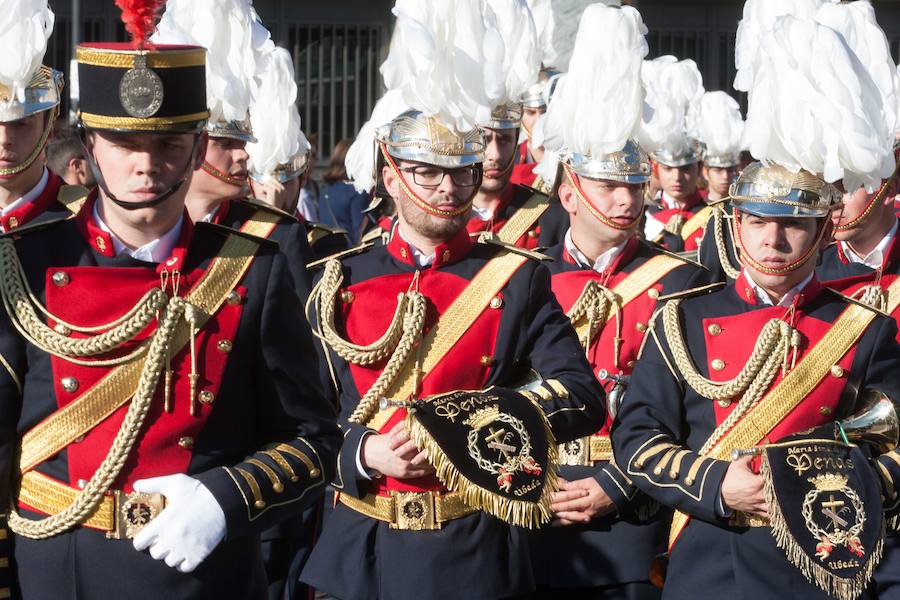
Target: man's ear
{"x": 391, "y": 184}
{"x": 891, "y": 190}
{"x": 200, "y": 152}
{"x": 567, "y": 198}
{"x": 826, "y": 235}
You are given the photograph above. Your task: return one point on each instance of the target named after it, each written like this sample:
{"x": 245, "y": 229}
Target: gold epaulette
{"x": 697, "y": 291}
{"x": 341, "y": 255}
{"x": 373, "y": 235}
{"x": 259, "y": 204}
{"x": 858, "y": 303}
{"x": 492, "y": 240}
{"x": 32, "y": 227}
{"x": 539, "y": 186}
{"x": 72, "y": 197}
{"x": 230, "y": 231}
{"x": 678, "y": 255}
{"x": 316, "y": 232}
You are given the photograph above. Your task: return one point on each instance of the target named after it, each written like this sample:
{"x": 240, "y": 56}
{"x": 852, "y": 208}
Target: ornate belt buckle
{"x": 414, "y": 511}
{"x": 576, "y": 453}
{"x": 133, "y": 511}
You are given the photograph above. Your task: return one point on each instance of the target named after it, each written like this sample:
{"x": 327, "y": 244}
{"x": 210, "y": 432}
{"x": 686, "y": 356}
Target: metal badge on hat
{"x": 141, "y": 90}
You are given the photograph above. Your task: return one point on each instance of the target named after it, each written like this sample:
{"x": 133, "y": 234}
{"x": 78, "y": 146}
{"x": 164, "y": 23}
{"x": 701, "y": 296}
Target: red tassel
{"x": 139, "y": 17}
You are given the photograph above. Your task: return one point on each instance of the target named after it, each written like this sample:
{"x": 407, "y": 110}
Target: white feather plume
{"x": 235, "y": 40}
{"x": 521, "y": 50}
{"x": 758, "y": 18}
{"x": 672, "y": 87}
{"x": 814, "y": 106}
{"x": 855, "y": 21}
{"x": 597, "y": 105}
{"x": 716, "y": 121}
{"x": 446, "y": 61}
{"x": 548, "y": 166}
{"x": 557, "y": 22}
{"x": 274, "y": 116}
{"x": 25, "y": 27}
{"x": 360, "y": 160}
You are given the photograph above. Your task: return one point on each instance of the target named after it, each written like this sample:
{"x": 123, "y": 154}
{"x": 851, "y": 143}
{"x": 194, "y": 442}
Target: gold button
{"x": 824, "y": 410}
{"x": 186, "y": 442}
{"x": 224, "y": 346}
{"x": 445, "y": 256}
{"x": 347, "y": 297}
{"x": 653, "y": 293}
{"x": 13, "y": 222}
{"x": 717, "y": 364}
{"x": 69, "y": 384}
{"x": 61, "y": 278}
{"x": 714, "y": 329}
{"x": 641, "y": 327}
{"x": 403, "y": 252}
{"x": 533, "y": 234}
{"x": 207, "y": 397}
{"x": 837, "y": 370}
{"x": 61, "y": 329}
{"x": 496, "y": 302}
{"x": 486, "y": 360}
{"x": 233, "y": 298}
{"x": 630, "y": 364}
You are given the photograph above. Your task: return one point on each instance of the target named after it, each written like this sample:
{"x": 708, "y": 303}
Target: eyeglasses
{"x": 431, "y": 177}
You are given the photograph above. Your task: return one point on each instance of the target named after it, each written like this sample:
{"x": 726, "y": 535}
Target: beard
{"x": 428, "y": 225}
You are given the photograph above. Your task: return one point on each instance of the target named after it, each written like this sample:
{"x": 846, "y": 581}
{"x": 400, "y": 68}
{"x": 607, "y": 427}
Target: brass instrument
{"x": 875, "y": 425}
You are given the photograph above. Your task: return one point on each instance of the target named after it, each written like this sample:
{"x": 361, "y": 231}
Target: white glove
{"x": 190, "y": 526}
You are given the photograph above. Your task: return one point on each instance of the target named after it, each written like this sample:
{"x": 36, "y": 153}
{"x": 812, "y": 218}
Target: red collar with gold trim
{"x": 746, "y": 292}
{"x": 451, "y": 251}
{"x": 102, "y": 243}
{"x": 31, "y": 210}
{"x": 622, "y": 259}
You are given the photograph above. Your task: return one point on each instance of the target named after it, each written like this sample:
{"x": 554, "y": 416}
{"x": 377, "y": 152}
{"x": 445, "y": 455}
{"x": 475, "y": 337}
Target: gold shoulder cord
{"x": 204, "y": 299}
{"x": 405, "y": 331}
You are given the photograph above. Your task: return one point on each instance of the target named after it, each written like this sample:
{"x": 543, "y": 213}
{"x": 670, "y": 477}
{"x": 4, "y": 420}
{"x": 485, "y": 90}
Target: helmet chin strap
{"x": 748, "y": 258}
{"x": 416, "y": 199}
{"x": 12, "y": 172}
{"x": 154, "y": 201}
{"x": 598, "y": 214}
{"x": 221, "y": 176}
{"x": 876, "y": 199}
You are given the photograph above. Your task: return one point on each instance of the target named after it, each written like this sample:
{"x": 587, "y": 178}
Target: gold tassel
{"x": 190, "y": 314}
{"x": 530, "y": 515}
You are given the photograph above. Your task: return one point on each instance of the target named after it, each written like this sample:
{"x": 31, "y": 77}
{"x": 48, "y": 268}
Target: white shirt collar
{"x": 154, "y": 251}
{"x": 668, "y": 201}
{"x": 484, "y": 214}
{"x": 786, "y": 300}
{"x": 875, "y": 258}
{"x": 420, "y": 258}
{"x": 211, "y": 215}
{"x": 32, "y": 194}
{"x": 603, "y": 261}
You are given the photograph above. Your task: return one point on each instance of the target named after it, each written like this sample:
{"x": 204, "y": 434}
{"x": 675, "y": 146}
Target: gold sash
{"x": 524, "y": 218}
{"x": 81, "y": 415}
{"x": 793, "y": 389}
{"x": 700, "y": 218}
